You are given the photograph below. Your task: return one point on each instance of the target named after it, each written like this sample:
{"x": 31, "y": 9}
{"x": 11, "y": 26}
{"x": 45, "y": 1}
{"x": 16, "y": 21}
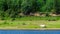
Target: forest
{"x": 13, "y": 8}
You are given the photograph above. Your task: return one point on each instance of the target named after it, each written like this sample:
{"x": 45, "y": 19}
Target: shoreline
{"x": 29, "y": 28}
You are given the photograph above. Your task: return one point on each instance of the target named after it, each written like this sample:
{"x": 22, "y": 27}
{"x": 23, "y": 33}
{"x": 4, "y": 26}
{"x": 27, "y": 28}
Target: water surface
{"x": 29, "y": 31}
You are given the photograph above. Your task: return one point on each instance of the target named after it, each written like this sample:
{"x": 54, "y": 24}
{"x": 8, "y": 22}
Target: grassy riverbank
{"x": 30, "y": 23}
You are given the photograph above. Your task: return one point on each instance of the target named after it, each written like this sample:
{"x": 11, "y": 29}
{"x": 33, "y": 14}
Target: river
{"x": 29, "y": 31}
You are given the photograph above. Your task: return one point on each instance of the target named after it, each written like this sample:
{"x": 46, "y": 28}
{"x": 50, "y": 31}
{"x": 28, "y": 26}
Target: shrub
{"x": 23, "y": 23}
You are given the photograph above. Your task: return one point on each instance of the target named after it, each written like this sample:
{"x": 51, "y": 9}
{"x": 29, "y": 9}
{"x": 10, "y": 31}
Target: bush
{"x": 52, "y": 20}
{"x": 23, "y": 23}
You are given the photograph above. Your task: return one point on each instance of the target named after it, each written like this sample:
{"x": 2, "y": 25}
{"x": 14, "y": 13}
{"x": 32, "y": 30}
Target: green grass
{"x": 31, "y": 18}
{"x": 32, "y": 22}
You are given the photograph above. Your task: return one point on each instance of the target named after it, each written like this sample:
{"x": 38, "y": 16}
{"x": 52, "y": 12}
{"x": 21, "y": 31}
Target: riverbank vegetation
{"x": 31, "y": 22}
{"x": 19, "y": 8}
{"x": 30, "y": 13}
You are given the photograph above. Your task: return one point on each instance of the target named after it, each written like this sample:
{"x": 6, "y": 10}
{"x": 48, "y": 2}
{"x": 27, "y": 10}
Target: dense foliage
{"x": 12, "y": 8}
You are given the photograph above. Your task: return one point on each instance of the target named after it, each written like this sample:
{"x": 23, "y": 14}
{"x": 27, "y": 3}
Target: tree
{"x": 57, "y": 5}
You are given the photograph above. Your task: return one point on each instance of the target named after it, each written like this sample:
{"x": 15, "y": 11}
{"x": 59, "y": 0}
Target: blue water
{"x": 29, "y": 31}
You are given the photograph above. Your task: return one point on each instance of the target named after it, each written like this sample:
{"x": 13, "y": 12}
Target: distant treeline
{"x": 12, "y": 8}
